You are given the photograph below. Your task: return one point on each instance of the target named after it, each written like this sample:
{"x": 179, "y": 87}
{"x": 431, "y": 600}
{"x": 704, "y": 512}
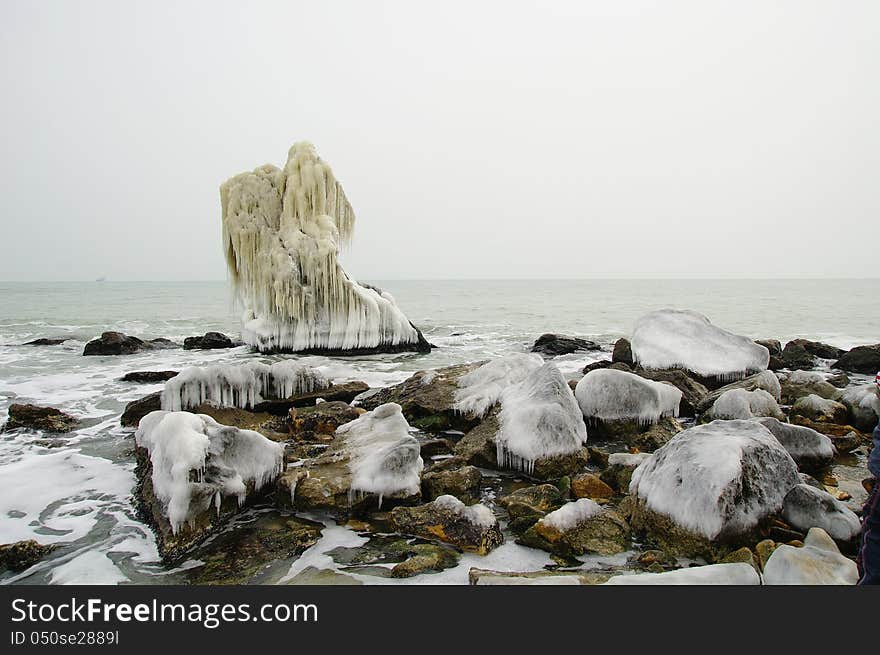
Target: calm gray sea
{"x": 76, "y": 491}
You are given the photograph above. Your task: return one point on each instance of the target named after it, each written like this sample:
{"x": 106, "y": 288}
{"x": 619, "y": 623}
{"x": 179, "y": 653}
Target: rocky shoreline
{"x": 807, "y": 410}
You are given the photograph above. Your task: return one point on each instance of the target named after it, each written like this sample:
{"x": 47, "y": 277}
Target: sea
{"x": 75, "y": 490}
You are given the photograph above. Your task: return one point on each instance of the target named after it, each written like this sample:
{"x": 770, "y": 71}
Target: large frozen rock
{"x": 671, "y": 338}
{"x": 194, "y": 473}
{"x": 712, "y": 486}
{"x": 817, "y": 562}
{"x": 765, "y": 380}
{"x": 810, "y": 450}
{"x": 806, "y": 507}
{"x": 282, "y": 229}
{"x": 610, "y": 395}
{"x": 863, "y": 405}
{"x": 540, "y": 418}
{"x": 742, "y": 404}
{"x": 820, "y": 410}
{"x": 372, "y": 459}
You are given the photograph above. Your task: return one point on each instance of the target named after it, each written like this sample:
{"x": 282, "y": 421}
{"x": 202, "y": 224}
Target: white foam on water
{"x": 58, "y": 495}
{"x": 90, "y": 568}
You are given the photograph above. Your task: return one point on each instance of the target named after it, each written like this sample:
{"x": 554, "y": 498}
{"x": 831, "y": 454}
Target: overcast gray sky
{"x": 474, "y": 139}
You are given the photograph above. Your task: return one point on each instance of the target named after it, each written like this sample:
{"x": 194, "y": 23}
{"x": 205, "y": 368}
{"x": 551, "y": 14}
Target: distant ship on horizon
{"x": 103, "y": 278}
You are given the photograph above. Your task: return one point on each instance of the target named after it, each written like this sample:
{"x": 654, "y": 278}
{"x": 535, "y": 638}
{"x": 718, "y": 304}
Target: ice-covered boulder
{"x": 806, "y": 507}
{"x": 798, "y": 384}
{"x": 194, "y": 472}
{"x": 282, "y": 230}
{"x": 711, "y": 486}
{"x": 863, "y": 405}
{"x": 742, "y": 404}
{"x": 671, "y": 338}
{"x": 810, "y": 450}
{"x": 371, "y": 459}
{"x": 243, "y": 385}
{"x": 765, "y": 380}
{"x": 579, "y": 527}
{"x": 692, "y": 392}
{"x": 427, "y": 398}
{"x": 817, "y": 562}
{"x": 540, "y": 418}
{"x": 469, "y": 527}
{"x": 737, "y": 573}
{"x": 611, "y": 395}
{"x": 820, "y": 410}
{"x": 480, "y": 389}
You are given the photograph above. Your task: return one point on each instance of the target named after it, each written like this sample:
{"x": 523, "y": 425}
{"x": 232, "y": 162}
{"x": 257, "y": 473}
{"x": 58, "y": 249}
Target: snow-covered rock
{"x": 765, "y": 380}
{"x": 712, "y": 484}
{"x": 811, "y": 450}
{"x": 480, "y": 389}
{"x": 579, "y": 527}
{"x": 806, "y": 507}
{"x": 863, "y": 405}
{"x": 742, "y": 404}
{"x": 539, "y": 418}
{"x": 371, "y": 459}
{"x": 194, "y": 471}
{"x": 671, "y": 338}
{"x": 242, "y": 385}
{"x": 821, "y": 410}
{"x": 817, "y": 562}
{"x": 472, "y": 528}
{"x": 282, "y": 229}
{"x": 737, "y": 573}
{"x": 612, "y": 395}
{"x": 798, "y": 384}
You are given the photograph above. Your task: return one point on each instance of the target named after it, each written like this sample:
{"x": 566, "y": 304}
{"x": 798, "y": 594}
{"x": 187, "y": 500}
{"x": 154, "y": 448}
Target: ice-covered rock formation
{"x": 672, "y": 338}
{"x": 863, "y": 405}
{"x": 539, "y": 418}
{"x": 197, "y": 463}
{"x": 806, "y": 507}
{"x": 385, "y": 458}
{"x": 742, "y": 404}
{"x": 810, "y": 450}
{"x": 282, "y": 229}
{"x": 481, "y": 388}
{"x": 818, "y": 561}
{"x": 242, "y": 385}
{"x": 611, "y": 395}
{"x": 717, "y": 481}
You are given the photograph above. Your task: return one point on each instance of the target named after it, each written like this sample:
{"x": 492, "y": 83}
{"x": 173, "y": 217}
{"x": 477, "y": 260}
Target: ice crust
{"x": 480, "y": 389}
{"x": 742, "y": 404}
{"x": 539, "y": 418}
{"x": 571, "y": 514}
{"x": 673, "y": 338}
{"x": 225, "y": 461}
{"x": 384, "y": 457}
{"x": 611, "y": 395}
{"x": 241, "y": 385}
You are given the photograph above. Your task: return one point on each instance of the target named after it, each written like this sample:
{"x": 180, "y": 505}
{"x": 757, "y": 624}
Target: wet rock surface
{"x": 34, "y": 417}
{"x": 208, "y": 341}
{"x": 117, "y": 343}
{"x": 149, "y": 377}
{"x": 552, "y": 345}
{"x": 22, "y": 555}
